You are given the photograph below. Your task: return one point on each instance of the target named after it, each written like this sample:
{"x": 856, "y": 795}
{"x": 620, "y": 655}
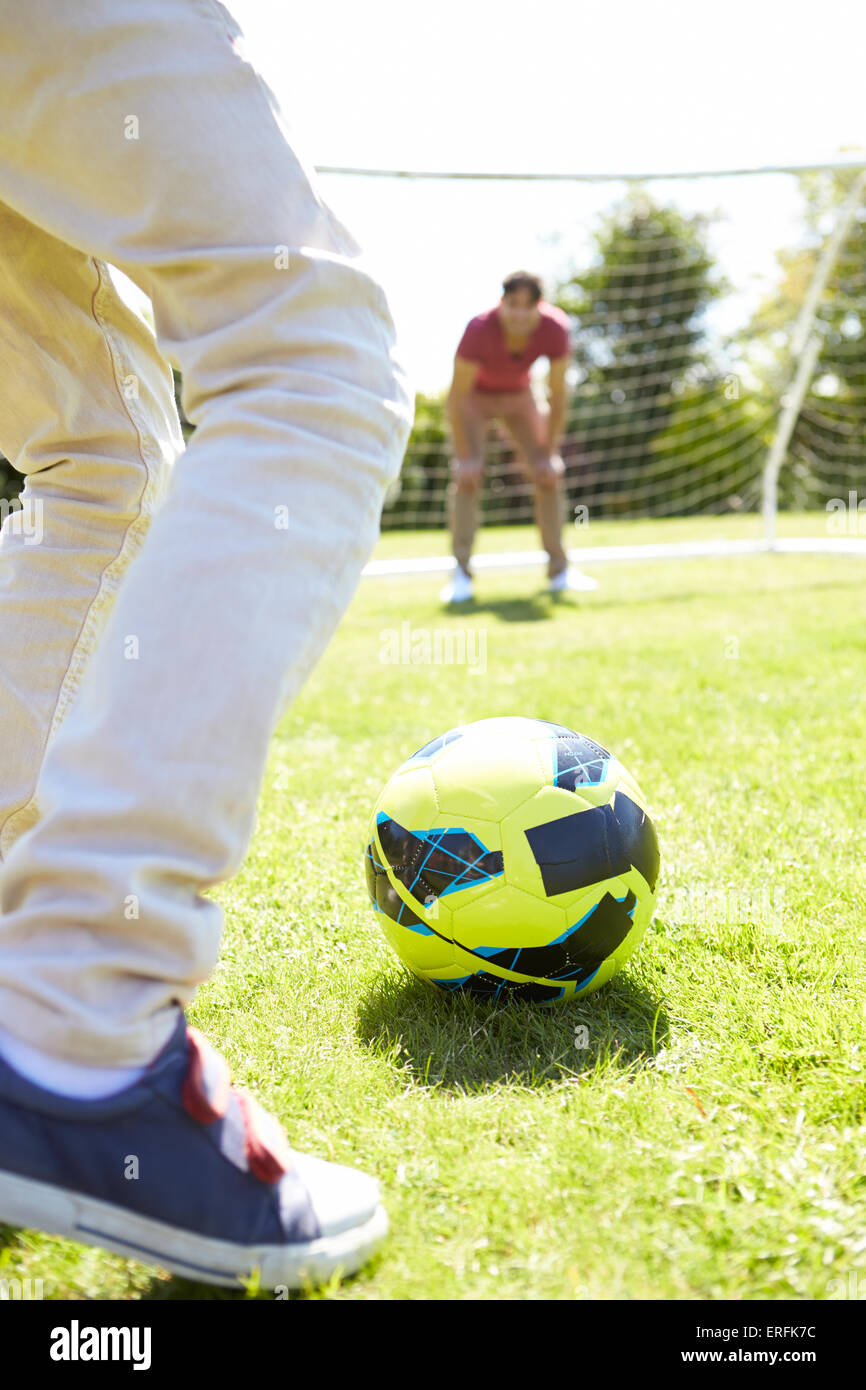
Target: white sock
{"x": 75, "y": 1079}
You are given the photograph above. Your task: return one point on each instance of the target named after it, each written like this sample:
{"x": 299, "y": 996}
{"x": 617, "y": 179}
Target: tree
{"x": 827, "y": 451}
{"x": 639, "y": 339}
{"x": 418, "y": 496}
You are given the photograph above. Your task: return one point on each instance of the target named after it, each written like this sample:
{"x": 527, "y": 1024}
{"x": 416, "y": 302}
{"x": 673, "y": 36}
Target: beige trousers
{"x": 158, "y": 607}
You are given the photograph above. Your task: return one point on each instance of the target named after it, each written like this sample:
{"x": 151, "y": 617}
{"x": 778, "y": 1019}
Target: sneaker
{"x": 459, "y": 587}
{"x": 184, "y": 1171}
{"x": 572, "y": 579}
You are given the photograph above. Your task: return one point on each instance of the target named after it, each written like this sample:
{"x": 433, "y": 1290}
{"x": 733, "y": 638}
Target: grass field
{"x": 709, "y": 1140}
{"x": 672, "y": 529}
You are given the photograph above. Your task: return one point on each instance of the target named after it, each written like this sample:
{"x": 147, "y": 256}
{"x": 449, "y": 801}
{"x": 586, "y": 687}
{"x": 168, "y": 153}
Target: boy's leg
{"x": 165, "y": 157}
{"x": 527, "y": 426}
{"x": 87, "y": 414}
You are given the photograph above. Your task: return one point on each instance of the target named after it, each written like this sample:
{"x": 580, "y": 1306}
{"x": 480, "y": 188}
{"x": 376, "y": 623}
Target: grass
{"x": 708, "y": 1141}
{"x": 730, "y": 526}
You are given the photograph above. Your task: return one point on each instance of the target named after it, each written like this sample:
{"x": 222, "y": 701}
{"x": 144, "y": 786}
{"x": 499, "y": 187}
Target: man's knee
{"x": 467, "y": 476}
{"x": 547, "y": 471}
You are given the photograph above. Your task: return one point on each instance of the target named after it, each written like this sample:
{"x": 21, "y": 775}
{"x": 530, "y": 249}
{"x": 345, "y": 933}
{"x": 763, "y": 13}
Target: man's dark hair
{"x": 523, "y": 280}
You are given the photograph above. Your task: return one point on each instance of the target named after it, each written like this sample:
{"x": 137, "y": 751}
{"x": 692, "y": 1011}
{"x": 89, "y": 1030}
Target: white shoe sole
{"x": 447, "y": 595}
{"x": 58, "y": 1211}
{"x": 577, "y": 585}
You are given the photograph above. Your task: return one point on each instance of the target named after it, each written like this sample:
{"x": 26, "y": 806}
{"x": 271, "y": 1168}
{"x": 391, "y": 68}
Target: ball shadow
{"x": 453, "y": 1042}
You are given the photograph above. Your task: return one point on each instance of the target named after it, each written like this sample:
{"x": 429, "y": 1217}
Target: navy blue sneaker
{"x": 185, "y": 1171}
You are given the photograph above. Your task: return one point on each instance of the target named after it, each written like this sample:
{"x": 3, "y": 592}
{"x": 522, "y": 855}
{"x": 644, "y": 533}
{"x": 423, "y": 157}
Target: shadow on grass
{"x": 175, "y": 1290}
{"x": 510, "y": 610}
{"x": 535, "y": 607}
{"x": 456, "y": 1043}
{"x": 65, "y": 1279}
{"x": 144, "y": 1287}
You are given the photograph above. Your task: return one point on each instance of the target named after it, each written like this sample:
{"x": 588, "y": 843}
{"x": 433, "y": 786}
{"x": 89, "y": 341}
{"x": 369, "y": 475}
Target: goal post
{"x": 806, "y": 346}
{"x": 719, "y": 368}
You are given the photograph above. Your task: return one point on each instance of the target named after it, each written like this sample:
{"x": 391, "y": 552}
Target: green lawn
{"x": 731, "y": 526}
{"x": 709, "y": 1140}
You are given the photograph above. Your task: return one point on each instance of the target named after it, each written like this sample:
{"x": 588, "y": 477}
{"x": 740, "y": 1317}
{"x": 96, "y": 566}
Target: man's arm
{"x": 463, "y": 381}
{"x": 557, "y": 394}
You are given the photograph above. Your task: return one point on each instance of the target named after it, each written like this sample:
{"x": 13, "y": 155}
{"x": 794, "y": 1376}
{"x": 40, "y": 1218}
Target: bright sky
{"x": 554, "y": 85}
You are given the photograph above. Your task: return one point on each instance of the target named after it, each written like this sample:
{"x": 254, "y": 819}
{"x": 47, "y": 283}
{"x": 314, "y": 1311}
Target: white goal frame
{"x": 806, "y": 344}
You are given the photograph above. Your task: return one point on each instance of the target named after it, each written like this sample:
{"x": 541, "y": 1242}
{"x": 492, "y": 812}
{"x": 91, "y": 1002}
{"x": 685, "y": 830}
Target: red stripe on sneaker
{"x": 206, "y": 1086}
{"x": 268, "y": 1153}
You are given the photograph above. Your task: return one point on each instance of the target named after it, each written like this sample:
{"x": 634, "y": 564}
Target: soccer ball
{"x": 513, "y": 857}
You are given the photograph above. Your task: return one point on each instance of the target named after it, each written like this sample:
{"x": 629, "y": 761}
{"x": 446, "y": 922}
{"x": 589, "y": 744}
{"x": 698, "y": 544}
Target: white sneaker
{"x": 459, "y": 587}
{"x": 572, "y": 579}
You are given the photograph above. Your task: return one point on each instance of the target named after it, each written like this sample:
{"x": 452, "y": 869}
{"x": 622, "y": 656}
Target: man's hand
{"x": 547, "y": 471}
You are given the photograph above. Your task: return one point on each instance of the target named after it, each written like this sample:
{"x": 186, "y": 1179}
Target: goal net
{"x": 719, "y": 330}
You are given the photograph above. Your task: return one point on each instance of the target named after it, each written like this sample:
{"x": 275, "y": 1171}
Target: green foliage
{"x": 828, "y": 447}
{"x": 426, "y": 461}
{"x": 730, "y": 430}
{"x": 827, "y": 450}
{"x": 639, "y": 339}
{"x": 10, "y": 481}
{"x": 637, "y": 307}
{"x": 187, "y": 428}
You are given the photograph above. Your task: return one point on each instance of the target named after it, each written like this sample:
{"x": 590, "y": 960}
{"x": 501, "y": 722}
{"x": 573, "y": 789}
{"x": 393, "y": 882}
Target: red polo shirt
{"x": 483, "y": 341}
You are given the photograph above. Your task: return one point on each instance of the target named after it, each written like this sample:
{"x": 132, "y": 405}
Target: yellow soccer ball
{"x": 513, "y": 858}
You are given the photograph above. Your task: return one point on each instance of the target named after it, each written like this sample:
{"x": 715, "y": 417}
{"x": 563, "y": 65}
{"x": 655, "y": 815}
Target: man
{"x": 176, "y": 603}
{"x": 491, "y": 381}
